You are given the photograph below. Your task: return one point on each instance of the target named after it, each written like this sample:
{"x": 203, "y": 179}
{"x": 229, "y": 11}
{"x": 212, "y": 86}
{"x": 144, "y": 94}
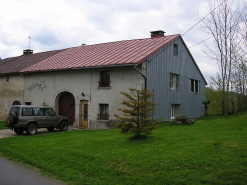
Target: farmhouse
{"x": 84, "y": 82}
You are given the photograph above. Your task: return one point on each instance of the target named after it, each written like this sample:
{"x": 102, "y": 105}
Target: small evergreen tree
{"x": 137, "y": 120}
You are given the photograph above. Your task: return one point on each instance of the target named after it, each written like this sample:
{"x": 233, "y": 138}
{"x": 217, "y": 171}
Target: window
{"x": 85, "y": 116}
{"x": 194, "y": 86}
{"x": 7, "y": 79}
{"x": 104, "y": 111}
{"x": 174, "y": 82}
{"x": 28, "y": 103}
{"x": 15, "y": 110}
{"x": 175, "y": 109}
{"x": 27, "y": 112}
{"x": 49, "y": 112}
{"x": 175, "y": 49}
{"x": 38, "y": 111}
{"x": 104, "y": 79}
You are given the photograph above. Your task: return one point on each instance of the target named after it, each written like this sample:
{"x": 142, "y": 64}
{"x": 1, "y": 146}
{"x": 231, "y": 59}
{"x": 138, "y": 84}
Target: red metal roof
{"x": 98, "y": 55}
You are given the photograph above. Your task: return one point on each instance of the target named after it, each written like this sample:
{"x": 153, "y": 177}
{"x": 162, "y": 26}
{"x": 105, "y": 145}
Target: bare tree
{"x": 224, "y": 25}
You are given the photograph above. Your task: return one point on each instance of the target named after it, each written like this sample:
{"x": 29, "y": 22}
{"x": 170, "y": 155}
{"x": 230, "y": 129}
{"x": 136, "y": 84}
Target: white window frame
{"x": 175, "y": 110}
{"x": 174, "y": 82}
{"x": 196, "y": 86}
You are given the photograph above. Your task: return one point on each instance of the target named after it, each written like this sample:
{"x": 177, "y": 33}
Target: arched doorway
{"x": 67, "y": 106}
{"x": 16, "y": 103}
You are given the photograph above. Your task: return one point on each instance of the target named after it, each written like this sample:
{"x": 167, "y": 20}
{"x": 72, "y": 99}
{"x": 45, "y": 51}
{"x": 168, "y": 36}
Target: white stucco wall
{"x": 9, "y": 92}
{"x": 46, "y": 87}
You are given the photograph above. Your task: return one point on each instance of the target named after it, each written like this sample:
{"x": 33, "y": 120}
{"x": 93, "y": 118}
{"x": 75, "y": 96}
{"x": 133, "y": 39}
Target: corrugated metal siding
{"x": 159, "y": 67}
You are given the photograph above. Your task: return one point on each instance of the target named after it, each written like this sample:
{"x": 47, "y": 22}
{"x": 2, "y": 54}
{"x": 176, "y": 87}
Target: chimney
{"x": 157, "y": 34}
{"x": 27, "y": 52}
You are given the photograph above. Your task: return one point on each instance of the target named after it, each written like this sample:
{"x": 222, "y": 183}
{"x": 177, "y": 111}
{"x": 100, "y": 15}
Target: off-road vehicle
{"x": 30, "y": 118}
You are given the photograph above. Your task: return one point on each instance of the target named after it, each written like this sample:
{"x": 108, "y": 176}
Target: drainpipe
{"x": 142, "y": 75}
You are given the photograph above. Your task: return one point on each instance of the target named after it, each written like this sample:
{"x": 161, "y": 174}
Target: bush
{"x": 182, "y": 120}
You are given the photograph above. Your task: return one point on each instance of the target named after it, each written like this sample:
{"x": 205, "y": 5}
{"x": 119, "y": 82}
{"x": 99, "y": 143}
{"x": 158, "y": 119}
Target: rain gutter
{"x": 145, "y": 78}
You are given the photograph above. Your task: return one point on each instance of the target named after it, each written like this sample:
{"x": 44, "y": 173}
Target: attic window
{"x": 175, "y": 49}
{"x": 7, "y": 79}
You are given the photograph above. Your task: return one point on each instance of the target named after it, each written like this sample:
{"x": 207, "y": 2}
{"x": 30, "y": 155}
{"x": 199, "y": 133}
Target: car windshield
{"x": 15, "y": 110}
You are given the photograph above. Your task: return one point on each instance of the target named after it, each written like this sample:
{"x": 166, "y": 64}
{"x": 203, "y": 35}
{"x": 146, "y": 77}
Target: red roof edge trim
{"x": 79, "y": 68}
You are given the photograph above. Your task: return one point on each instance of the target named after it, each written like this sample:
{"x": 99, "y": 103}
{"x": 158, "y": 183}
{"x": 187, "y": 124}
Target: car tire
{"x": 63, "y": 126}
{"x": 31, "y": 129}
{"x": 19, "y": 130}
{"x": 12, "y": 119}
{"x": 50, "y": 128}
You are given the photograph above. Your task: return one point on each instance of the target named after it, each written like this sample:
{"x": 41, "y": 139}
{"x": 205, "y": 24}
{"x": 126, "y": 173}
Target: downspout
{"x": 145, "y": 78}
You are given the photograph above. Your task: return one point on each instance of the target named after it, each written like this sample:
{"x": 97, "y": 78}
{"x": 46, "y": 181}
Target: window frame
{"x": 105, "y": 79}
{"x": 27, "y": 111}
{"x": 194, "y": 86}
{"x": 174, "y": 82}
{"x": 175, "y": 110}
{"x": 103, "y": 111}
{"x": 175, "y": 49}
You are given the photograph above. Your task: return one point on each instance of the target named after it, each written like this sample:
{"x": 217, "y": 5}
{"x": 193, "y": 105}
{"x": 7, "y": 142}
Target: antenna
{"x": 29, "y": 41}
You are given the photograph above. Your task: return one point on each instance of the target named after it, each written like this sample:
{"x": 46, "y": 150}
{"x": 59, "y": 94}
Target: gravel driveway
{"x": 9, "y": 133}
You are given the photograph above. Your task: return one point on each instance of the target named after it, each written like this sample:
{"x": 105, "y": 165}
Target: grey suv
{"x": 29, "y": 118}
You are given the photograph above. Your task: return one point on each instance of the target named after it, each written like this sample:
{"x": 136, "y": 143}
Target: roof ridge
{"x": 122, "y": 41}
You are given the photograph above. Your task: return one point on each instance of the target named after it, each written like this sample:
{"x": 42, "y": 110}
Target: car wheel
{"x": 31, "y": 129}
{"x": 50, "y": 128}
{"x": 19, "y": 130}
{"x": 63, "y": 126}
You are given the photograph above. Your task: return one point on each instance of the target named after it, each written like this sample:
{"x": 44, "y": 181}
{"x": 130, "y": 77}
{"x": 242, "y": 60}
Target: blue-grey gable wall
{"x": 159, "y": 67}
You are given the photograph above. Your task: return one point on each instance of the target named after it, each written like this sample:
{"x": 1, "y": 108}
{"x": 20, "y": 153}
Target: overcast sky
{"x": 59, "y": 24}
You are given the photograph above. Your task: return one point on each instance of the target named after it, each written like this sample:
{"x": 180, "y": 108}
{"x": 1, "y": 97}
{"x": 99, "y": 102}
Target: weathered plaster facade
{"x": 10, "y": 92}
{"x": 47, "y": 87}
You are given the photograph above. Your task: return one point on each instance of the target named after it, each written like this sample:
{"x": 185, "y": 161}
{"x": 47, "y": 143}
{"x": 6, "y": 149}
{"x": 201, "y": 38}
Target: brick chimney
{"x": 27, "y": 52}
{"x": 158, "y": 33}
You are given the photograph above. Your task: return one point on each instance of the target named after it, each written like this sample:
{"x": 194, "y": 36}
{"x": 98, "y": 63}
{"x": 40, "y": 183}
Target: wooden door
{"x": 67, "y": 106}
{"x": 84, "y": 113}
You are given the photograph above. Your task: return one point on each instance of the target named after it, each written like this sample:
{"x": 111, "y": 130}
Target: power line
{"x": 201, "y": 42}
{"x": 203, "y": 18}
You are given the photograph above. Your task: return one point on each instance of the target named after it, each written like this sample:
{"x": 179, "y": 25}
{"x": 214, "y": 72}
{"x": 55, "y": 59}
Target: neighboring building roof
{"x": 98, "y": 55}
{"x": 19, "y": 64}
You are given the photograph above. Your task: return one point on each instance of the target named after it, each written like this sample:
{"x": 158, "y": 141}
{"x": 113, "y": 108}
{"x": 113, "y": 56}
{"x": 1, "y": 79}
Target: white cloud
{"x": 59, "y": 24}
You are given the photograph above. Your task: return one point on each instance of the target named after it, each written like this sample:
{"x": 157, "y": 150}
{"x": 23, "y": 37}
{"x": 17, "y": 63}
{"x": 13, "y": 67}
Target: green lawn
{"x": 2, "y": 125}
{"x": 212, "y": 151}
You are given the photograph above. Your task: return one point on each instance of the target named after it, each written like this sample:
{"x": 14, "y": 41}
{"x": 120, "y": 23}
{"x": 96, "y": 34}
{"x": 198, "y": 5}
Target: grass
{"x": 2, "y": 125}
{"x": 212, "y": 151}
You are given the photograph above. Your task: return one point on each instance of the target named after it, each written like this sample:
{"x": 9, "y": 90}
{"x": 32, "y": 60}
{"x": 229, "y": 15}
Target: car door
{"x": 40, "y": 117}
{"x": 51, "y": 119}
